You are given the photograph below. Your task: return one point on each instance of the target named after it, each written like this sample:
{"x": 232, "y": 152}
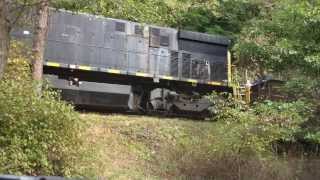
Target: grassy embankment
{"x": 140, "y": 147}
{"x": 132, "y": 146}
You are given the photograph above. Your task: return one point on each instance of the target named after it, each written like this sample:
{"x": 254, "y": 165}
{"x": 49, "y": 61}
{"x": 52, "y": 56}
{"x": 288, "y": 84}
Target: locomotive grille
{"x": 155, "y": 32}
{"x": 174, "y": 63}
{"x": 154, "y": 37}
{"x": 121, "y": 27}
{"x": 186, "y": 58}
{"x": 204, "y": 73}
{"x": 199, "y": 69}
{"x": 138, "y": 30}
{"x": 195, "y": 68}
{"x": 218, "y": 71}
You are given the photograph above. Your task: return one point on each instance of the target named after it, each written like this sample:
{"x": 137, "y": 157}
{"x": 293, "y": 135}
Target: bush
{"x": 39, "y": 134}
{"x": 256, "y": 128}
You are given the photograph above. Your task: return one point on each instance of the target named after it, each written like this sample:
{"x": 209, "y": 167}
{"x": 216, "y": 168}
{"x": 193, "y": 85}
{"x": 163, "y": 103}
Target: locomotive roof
{"x": 203, "y": 37}
{"x": 183, "y": 34}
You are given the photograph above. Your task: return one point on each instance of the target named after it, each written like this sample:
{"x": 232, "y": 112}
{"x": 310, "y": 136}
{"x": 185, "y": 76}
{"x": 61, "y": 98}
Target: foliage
{"x": 254, "y": 129}
{"x": 307, "y": 89}
{"x": 145, "y": 147}
{"x": 284, "y": 37}
{"x": 18, "y": 62}
{"x": 209, "y": 16}
{"x": 39, "y": 134}
{"x": 303, "y": 87}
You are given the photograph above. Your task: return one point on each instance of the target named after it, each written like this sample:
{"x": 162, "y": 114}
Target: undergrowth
{"x": 141, "y": 147}
{"x": 39, "y": 133}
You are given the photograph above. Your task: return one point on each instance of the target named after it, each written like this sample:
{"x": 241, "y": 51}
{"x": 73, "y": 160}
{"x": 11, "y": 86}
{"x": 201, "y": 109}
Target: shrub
{"x": 303, "y": 87}
{"x": 254, "y": 129}
{"x": 39, "y": 133}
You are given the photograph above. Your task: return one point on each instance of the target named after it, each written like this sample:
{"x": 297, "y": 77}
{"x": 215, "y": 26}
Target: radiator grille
{"x": 186, "y": 58}
{"x": 154, "y": 37}
{"x": 120, "y": 27}
{"x": 138, "y": 30}
{"x": 174, "y": 63}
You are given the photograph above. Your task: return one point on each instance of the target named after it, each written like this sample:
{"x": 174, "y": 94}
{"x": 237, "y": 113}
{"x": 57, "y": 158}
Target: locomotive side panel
{"x": 115, "y": 55}
{"x": 138, "y": 47}
{"x": 162, "y": 42}
{"x": 64, "y": 36}
{"x": 95, "y": 43}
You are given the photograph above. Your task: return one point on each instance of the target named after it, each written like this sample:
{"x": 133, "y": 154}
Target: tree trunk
{"x": 40, "y": 33}
{"x": 4, "y": 37}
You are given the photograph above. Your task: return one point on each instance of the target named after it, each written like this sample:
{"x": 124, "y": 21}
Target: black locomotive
{"x": 118, "y": 64}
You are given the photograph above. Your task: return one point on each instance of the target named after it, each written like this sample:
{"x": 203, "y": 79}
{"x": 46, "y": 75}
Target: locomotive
{"x": 118, "y": 64}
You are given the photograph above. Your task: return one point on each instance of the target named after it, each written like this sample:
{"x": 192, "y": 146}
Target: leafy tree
{"x": 10, "y": 13}
{"x": 286, "y": 37}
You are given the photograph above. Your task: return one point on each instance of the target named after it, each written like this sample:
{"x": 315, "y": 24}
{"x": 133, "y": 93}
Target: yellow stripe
{"x": 167, "y": 77}
{"x": 114, "y": 71}
{"x": 192, "y": 80}
{"x": 87, "y": 68}
{"x": 53, "y": 64}
{"x": 142, "y": 74}
{"x": 248, "y": 94}
{"x": 229, "y": 68}
{"x": 215, "y": 83}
